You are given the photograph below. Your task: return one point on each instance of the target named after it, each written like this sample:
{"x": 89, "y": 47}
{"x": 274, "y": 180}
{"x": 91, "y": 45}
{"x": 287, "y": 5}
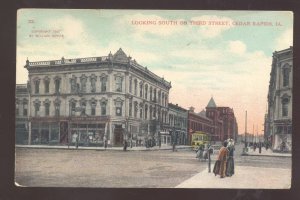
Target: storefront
{"x": 64, "y": 131}
{"x": 45, "y": 132}
{"x": 91, "y": 131}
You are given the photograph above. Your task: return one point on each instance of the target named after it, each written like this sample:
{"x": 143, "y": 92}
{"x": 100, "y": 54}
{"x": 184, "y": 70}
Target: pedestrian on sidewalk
{"x": 77, "y": 140}
{"x": 125, "y": 145}
{"x": 230, "y": 161}
{"x": 199, "y": 152}
{"x": 220, "y": 165}
{"x": 259, "y": 147}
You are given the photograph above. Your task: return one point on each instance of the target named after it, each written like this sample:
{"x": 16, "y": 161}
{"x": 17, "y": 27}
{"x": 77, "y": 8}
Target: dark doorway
{"x": 118, "y": 133}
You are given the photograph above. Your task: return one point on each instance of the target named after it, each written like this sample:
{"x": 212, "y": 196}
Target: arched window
{"x": 146, "y": 91}
{"x": 130, "y": 84}
{"x": 93, "y": 104}
{"x": 119, "y": 84}
{"x": 150, "y": 115}
{"x": 130, "y": 108}
{"x": 135, "y": 109}
{"x": 46, "y": 84}
{"x": 141, "y": 110}
{"x": 37, "y": 105}
{"x": 286, "y": 77}
{"x": 118, "y": 106}
{"x": 57, "y": 85}
{"x": 83, "y": 79}
{"x": 135, "y": 87}
{"x": 103, "y": 81}
{"x": 141, "y": 89}
{"x": 36, "y": 86}
{"x": 93, "y": 79}
{"x": 146, "y": 111}
{"x": 72, "y": 107}
{"x": 103, "y": 104}
{"x": 57, "y": 107}
{"x": 150, "y": 93}
{"x": 47, "y": 107}
{"x": 285, "y": 107}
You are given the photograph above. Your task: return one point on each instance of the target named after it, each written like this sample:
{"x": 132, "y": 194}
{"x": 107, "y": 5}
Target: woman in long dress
{"x": 230, "y": 160}
{"x": 220, "y": 165}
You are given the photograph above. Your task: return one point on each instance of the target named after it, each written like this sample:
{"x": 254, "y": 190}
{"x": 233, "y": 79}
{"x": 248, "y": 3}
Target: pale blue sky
{"x": 231, "y": 63}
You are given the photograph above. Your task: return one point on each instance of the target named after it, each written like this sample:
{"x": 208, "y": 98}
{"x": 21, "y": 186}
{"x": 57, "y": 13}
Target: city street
{"x": 94, "y": 168}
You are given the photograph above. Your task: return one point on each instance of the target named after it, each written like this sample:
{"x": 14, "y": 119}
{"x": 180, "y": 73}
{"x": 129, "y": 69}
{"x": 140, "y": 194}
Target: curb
{"x": 284, "y": 156}
{"x": 100, "y": 149}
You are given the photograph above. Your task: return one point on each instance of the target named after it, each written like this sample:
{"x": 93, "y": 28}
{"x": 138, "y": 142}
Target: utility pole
{"x": 246, "y": 130}
{"x": 253, "y": 135}
{"x": 245, "y": 148}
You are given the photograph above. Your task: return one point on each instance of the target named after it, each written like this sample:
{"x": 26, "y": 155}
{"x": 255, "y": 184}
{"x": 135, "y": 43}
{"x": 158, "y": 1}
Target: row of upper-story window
{"x": 284, "y": 72}
{"x": 178, "y": 121}
{"x": 84, "y": 107}
{"x": 196, "y": 126}
{"x": 22, "y": 107}
{"x": 155, "y": 94}
{"x": 145, "y": 111}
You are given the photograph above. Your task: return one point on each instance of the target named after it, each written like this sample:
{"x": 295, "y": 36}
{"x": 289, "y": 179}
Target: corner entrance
{"x": 118, "y": 135}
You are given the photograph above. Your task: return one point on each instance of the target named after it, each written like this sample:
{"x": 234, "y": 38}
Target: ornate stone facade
{"x": 278, "y": 120}
{"x": 110, "y": 98}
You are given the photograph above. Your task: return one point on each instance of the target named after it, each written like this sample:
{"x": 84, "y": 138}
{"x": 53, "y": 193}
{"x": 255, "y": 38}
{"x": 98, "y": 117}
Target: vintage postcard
{"x": 154, "y": 99}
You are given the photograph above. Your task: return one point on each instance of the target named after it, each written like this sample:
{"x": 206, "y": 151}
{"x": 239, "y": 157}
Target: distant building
{"x": 178, "y": 118}
{"x": 219, "y": 122}
{"x": 22, "y": 102}
{"x": 110, "y": 98}
{"x": 278, "y": 122}
{"x": 200, "y": 122}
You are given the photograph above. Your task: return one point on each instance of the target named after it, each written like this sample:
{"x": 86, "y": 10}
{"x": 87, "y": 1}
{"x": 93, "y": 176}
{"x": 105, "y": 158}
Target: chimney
{"x": 192, "y": 109}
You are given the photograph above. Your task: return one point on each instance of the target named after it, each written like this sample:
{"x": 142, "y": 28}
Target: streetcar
{"x": 200, "y": 138}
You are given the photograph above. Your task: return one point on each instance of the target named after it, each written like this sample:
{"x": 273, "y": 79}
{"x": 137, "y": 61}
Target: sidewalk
{"x": 155, "y": 148}
{"x": 244, "y": 177}
{"x": 265, "y": 152}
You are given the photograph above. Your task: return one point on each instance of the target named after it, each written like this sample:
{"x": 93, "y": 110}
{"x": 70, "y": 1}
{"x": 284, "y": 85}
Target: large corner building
{"x": 278, "y": 120}
{"x": 110, "y": 98}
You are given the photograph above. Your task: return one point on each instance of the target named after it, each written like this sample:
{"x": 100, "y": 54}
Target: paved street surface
{"x": 154, "y": 169}
{"x": 91, "y": 168}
